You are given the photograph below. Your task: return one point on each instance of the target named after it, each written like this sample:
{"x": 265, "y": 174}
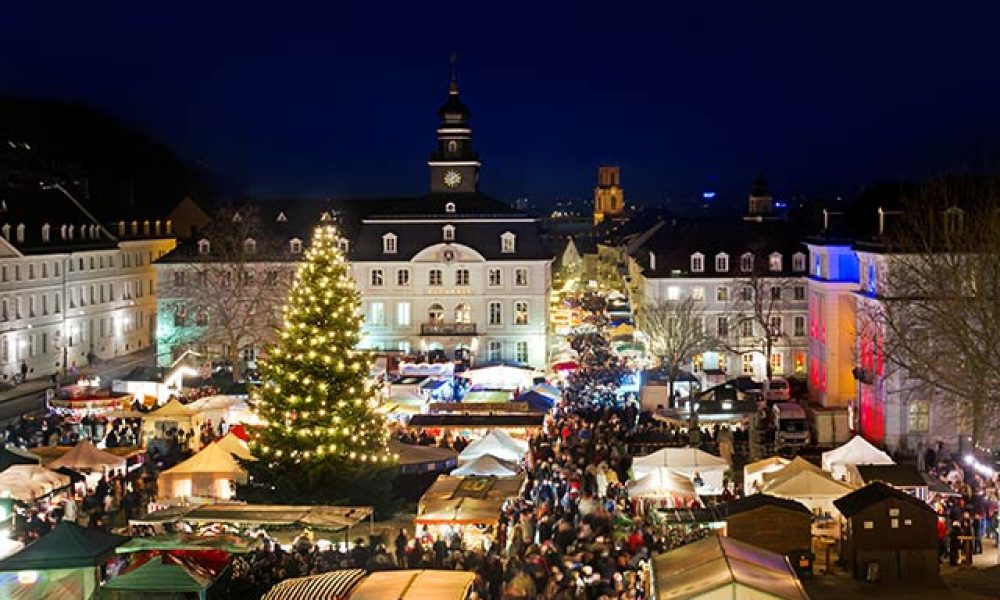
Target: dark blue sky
{"x": 340, "y": 100}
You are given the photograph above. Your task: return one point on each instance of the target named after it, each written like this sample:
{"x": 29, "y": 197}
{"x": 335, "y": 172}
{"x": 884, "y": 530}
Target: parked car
{"x": 778, "y": 390}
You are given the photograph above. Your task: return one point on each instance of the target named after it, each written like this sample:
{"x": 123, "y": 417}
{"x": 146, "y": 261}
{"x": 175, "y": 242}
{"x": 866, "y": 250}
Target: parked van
{"x": 791, "y": 427}
{"x": 778, "y": 390}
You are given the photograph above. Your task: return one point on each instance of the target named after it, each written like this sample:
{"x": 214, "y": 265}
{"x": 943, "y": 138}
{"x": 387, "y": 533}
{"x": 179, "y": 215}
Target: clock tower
{"x": 454, "y": 165}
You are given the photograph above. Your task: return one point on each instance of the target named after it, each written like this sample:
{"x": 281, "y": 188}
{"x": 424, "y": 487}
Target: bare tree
{"x": 234, "y": 287}
{"x": 758, "y": 307}
{"x": 675, "y": 332}
{"x": 932, "y": 312}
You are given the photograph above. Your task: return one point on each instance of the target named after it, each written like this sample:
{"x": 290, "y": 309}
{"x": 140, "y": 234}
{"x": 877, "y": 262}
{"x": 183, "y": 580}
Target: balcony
{"x": 448, "y": 329}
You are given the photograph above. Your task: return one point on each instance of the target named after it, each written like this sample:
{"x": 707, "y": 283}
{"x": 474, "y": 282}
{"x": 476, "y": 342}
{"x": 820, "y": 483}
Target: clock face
{"x": 452, "y": 178}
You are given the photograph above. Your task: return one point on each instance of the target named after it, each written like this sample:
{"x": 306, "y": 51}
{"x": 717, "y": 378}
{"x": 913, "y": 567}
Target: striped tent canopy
{"x": 334, "y": 585}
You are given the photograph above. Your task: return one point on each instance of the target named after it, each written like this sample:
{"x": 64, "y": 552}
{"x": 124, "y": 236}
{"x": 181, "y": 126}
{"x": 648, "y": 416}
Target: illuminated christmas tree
{"x": 322, "y": 441}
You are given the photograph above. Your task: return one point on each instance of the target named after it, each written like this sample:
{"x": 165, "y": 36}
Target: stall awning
{"x": 185, "y": 541}
{"x": 516, "y": 421}
{"x": 318, "y": 517}
{"x": 326, "y": 586}
{"x": 415, "y": 585}
{"x": 67, "y": 546}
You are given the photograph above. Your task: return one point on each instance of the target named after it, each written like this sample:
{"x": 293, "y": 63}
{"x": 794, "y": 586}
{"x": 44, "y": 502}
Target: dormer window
{"x": 746, "y": 262}
{"x": 62, "y": 231}
{"x": 295, "y": 246}
{"x": 652, "y": 261}
{"x": 448, "y": 233}
{"x": 236, "y": 217}
{"x": 6, "y": 231}
{"x": 389, "y": 243}
{"x": 697, "y": 262}
{"x": 774, "y": 262}
{"x": 121, "y": 228}
{"x": 953, "y": 218}
{"x": 449, "y": 207}
{"x": 204, "y": 247}
{"x": 70, "y": 233}
{"x": 798, "y": 262}
{"x": 722, "y": 262}
{"x": 281, "y": 217}
{"x": 250, "y": 246}
{"x": 46, "y": 229}
{"x": 344, "y": 244}
{"x": 20, "y": 232}
{"x": 507, "y": 243}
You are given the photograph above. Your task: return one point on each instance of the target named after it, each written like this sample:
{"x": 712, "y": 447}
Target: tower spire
{"x": 454, "y": 72}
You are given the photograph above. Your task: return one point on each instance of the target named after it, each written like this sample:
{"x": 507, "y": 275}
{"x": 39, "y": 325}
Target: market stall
{"x": 486, "y": 466}
{"x": 753, "y": 473}
{"x": 415, "y": 585}
{"x": 232, "y": 444}
{"x": 721, "y": 567}
{"x": 62, "y": 564}
{"x": 161, "y": 578}
{"x": 88, "y": 397}
{"x": 28, "y": 483}
{"x": 496, "y": 443}
{"x": 816, "y": 491}
{"x": 421, "y": 459}
{"x": 690, "y": 462}
{"x": 502, "y": 377}
{"x": 85, "y": 457}
{"x": 333, "y": 585}
{"x": 208, "y": 474}
{"x": 664, "y": 487}
{"x": 469, "y": 506}
{"x": 858, "y": 451}
{"x": 232, "y": 409}
{"x": 172, "y": 415}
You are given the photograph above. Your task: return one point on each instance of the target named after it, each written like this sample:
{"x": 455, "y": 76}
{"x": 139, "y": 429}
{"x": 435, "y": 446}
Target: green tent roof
{"x": 156, "y": 576}
{"x": 176, "y": 541}
{"x": 68, "y": 546}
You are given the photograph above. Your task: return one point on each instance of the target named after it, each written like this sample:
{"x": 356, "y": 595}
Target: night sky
{"x": 325, "y": 100}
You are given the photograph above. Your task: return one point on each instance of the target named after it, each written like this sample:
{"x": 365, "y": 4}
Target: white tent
{"x": 511, "y": 442}
{"x": 689, "y": 462}
{"x": 816, "y": 490}
{"x": 486, "y": 466}
{"x": 753, "y": 473}
{"x": 235, "y": 446}
{"x": 207, "y": 475}
{"x": 502, "y": 377}
{"x": 86, "y": 457}
{"x": 28, "y": 483}
{"x": 662, "y": 482}
{"x": 858, "y": 451}
{"x": 496, "y": 444}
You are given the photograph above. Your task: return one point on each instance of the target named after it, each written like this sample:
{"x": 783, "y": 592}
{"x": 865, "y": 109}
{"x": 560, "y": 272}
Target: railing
{"x": 447, "y": 329}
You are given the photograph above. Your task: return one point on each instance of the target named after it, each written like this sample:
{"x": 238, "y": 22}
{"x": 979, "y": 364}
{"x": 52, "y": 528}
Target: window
{"x": 495, "y": 280}
{"x": 673, "y": 292}
{"x": 722, "y": 294}
{"x": 17, "y": 272}
{"x": 3, "y": 273}
{"x": 775, "y": 326}
{"x": 343, "y": 244}
{"x": 495, "y": 314}
{"x": 722, "y": 262}
{"x": 449, "y": 207}
{"x": 179, "y": 278}
{"x": 520, "y": 312}
{"x": 377, "y": 278}
{"x": 798, "y": 262}
{"x": 45, "y": 270}
{"x": 55, "y": 269}
{"x": 180, "y": 317}
{"x": 722, "y": 326}
{"x": 201, "y": 317}
{"x": 777, "y": 363}
{"x": 20, "y": 232}
{"x": 46, "y": 229}
{"x": 774, "y": 262}
{"x": 452, "y": 146}
{"x": 697, "y": 262}
{"x": 295, "y": 246}
{"x": 389, "y": 243}
{"x": 31, "y": 271}
{"x": 746, "y": 293}
{"x": 495, "y": 351}
{"x": 698, "y": 293}
{"x": 775, "y": 293}
{"x": 403, "y": 346}
{"x": 403, "y": 277}
{"x": 434, "y": 277}
{"x": 520, "y": 277}
{"x": 953, "y": 218}
{"x": 57, "y": 305}
{"x": 747, "y": 364}
{"x": 31, "y": 305}
{"x": 507, "y": 243}
{"x": 800, "y": 326}
{"x": 250, "y": 246}
{"x": 448, "y": 233}
{"x": 746, "y": 328}
{"x": 45, "y": 304}
{"x": 376, "y": 313}
{"x": 463, "y": 313}
{"x": 919, "y": 416}
{"x": 698, "y": 325}
{"x": 521, "y": 352}
{"x": 204, "y": 247}
{"x": 799, "y": 292}
{"x": 746, "y": 263}
{"x": 435, "y": 314}
{"x": 462, "y": 277}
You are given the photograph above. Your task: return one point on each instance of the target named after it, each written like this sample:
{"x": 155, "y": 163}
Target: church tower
{"x": 609, "y": 197}
{"x": 759, "y": 204}
{"x": 454, "y": 165}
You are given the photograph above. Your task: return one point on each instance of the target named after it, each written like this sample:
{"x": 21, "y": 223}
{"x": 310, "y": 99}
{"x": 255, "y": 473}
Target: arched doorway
{"x": 463, "y": 314}
{"x": 435, "y": 314}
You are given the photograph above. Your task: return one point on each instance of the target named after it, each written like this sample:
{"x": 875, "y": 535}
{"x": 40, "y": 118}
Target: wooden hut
{"x": 768, "y": 522}
{"x": 891, "y": 529}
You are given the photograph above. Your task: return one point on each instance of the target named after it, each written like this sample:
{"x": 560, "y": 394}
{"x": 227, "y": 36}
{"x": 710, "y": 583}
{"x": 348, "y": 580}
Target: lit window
{"x": 495, "y": 278}
{"x": 919, "y": 416}
{"x": 673, "y": 292}
{"x": 697, "y": 263}
{"x": 495, "y": 313}
{"x": 774, "y": 262}
{"x": 434, "y": 277}
{"x": 462, "y": 277}
{"x": 777, "y": 363}
{"x": 377, "y": 278}
{"x": 376, "y": 313}
{"x": 746, "y": 263}
{"x": 747, "y": 364}
{"x": 698, "y": 293}
{"x": 250, "y": 246}
{"x": 343, "y": 244}
{"x": 520, "y": 277}
{"x": 520, "y": 313}
{"x": 722, "y": 263}
{"x": 295, "y": 245}
{"x": 495, "y": 351}
{"x": 435, "y": 314}
{"x": 463, "y": 313}
{"x": 449, "y": 207}
{"x": 798, "y": 262}
{"x": 507, "y": 243}
{"x": 204, "y": 247}
{"x": 403, "y": 277}
{"x": 448, "y": 232}
{"x": 389, "y": 243}
{"x": 722, "y": 294}
{"x": 403, "y": 314}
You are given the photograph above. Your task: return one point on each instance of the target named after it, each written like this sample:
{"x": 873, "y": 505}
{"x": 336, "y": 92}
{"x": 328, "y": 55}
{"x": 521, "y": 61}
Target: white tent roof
{"x": 235, "y": 446}
{"x": 414, "y": 585}
{"x": 213, "y": 459}
{"x": 502, "y": 377}
{"x": 662, "y": 482}
{"x": 486, "y": 466}
{"x": 510, "y": 442}
{"x": 85, "y": 456}
{"x": 858, "y": 451}
{"x": 30, "y": 482}
{"x": 171, "y": 410}
{"x": 767, "y": 465}
{"x": 807, "y": 484}
{"x": 680, "y": 459}
{"x": 797, "y": 465}
{"x": 496, "y": 444}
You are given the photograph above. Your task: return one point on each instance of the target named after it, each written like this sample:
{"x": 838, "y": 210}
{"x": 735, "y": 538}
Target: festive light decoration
{"x": 315, "y": 401}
